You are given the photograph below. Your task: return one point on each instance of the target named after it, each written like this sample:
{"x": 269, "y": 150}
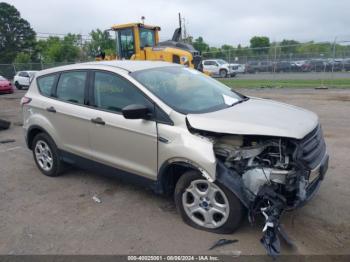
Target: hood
{"x": 257, "y": 117}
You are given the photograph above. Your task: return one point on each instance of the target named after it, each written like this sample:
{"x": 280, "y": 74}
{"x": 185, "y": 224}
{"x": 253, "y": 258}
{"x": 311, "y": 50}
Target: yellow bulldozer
{"x": 137, "y": 41}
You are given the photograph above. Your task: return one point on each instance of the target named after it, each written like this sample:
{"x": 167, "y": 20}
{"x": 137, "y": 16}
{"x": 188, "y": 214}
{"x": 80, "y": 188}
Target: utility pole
{"x": 184, "y": 26}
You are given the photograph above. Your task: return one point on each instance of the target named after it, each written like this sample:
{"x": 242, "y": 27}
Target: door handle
{"x": 98, "y": 120}
{"x": 51, "y": 109}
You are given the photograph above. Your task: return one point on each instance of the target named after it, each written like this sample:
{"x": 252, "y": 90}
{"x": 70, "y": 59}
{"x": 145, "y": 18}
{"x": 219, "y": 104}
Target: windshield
{"x": 146, "y": 37}
{"x": 221, "y": 62}
{"x": 187, "y": 90}
{"x": 2, "y": 78}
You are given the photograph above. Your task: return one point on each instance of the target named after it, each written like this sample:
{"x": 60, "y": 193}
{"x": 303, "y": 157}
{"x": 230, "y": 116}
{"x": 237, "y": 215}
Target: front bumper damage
{"x": 271, "y": 203}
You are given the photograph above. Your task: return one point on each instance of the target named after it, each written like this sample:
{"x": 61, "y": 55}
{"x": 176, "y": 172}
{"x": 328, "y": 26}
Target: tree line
{"x": 19, "y": 44}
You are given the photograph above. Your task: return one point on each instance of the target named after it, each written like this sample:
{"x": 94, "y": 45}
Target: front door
{"x": 130, "y": 145}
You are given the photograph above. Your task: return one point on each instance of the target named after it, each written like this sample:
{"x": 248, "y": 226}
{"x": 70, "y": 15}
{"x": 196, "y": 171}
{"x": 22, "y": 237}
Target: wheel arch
{"x": 170, "y": 172}
{"x": 32, "y": 132}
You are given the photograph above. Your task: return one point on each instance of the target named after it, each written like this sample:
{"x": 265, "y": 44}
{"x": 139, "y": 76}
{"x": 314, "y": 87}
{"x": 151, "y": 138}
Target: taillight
{"x": 25, "y": 100}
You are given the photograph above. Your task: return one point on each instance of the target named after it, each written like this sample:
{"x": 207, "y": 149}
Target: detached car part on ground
{"x": 220, "y": 153}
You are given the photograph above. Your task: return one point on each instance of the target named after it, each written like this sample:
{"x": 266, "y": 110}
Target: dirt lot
{"x": 42, "y": 215}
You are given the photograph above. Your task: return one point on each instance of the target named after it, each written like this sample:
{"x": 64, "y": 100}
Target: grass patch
{"x": 297, "y": 83}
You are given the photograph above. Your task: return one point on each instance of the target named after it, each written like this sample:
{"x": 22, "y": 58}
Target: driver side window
{"x": 113, "y": 93}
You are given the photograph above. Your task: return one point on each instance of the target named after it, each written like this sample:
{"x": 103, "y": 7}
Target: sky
{"x": 218, "y": 22}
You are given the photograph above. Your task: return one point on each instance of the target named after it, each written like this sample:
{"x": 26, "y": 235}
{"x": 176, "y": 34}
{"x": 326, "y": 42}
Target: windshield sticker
{"x": 229, "y": 100}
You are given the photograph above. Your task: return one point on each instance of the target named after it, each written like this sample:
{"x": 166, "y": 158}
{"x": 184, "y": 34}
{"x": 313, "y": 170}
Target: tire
{"x": 4, "y": 124}
{"x": 18, "y": 86}
{"x": 223, "y": 73}
{"x": 229, "y": 222}
{"x": 53, "y": 169}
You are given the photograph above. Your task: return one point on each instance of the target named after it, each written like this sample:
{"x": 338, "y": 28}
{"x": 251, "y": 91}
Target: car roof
{"x": 132, "y": 65}
{"x": 27, "y": 71}
{"x": 127, "y": 65}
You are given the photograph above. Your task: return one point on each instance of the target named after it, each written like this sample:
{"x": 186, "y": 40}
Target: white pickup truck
{"x": 218, "y": 67}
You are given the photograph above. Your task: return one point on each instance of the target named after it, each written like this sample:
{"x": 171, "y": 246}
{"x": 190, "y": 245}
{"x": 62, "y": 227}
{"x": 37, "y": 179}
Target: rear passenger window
{"x": 71, "y": 87}
{"x": 114, "y": 93}
{"x": 46, "y": 83}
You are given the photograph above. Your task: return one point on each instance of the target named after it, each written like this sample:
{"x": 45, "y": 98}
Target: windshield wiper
{"x": 240, "y": 101}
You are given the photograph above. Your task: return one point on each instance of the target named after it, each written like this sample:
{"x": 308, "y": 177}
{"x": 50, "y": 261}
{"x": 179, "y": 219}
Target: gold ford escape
{"x": 220, "y": 153}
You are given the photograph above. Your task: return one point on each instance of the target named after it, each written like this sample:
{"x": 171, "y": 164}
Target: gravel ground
{"x": 42, "y": 215}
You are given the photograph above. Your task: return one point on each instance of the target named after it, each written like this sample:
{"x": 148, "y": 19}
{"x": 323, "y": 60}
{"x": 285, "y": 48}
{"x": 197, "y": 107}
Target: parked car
{"x": 284, "y": 66}
{"x": 217, "y": 151}
{"x": 23, "y": 78}
{"x": 238, "y": 68}
{"x": 315, "y": 65}
{"x": 335, "y": 65}
{"x": 218, "y": 67}
{"x": 253, "y": 67}
{"x": 5, "y": 86}
{"x": 346, "y": 64}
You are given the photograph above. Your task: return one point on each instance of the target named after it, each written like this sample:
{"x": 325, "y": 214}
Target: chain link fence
{"x": 317, "y": 64}
{"x": 10, "y": 70}
{"x": 307, "y": 57}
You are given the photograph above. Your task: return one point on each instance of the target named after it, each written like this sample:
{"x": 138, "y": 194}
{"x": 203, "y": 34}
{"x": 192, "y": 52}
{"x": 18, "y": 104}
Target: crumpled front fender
{"x": 232, "y": 181}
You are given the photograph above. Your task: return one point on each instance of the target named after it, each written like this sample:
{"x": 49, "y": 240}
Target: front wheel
{"x": 207, "y": 206}
{"x": 18, "y": 86}
{"x": 223, "y": 73}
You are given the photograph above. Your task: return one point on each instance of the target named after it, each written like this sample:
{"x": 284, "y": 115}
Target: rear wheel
{"x": 18, "y": 86}
{"x": 207, "y": 206}
{"x": 46, "y": 155}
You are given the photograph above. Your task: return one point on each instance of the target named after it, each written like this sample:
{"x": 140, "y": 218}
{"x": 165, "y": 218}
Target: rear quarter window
{"x": 46, "y": 83}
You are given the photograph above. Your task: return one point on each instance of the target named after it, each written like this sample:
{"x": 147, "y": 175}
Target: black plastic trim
{"x": 103, "y": 169}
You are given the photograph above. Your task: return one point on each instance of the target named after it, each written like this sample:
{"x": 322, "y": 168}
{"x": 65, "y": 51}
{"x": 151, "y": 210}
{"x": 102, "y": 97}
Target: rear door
{"x": 69, "y": 115}
{"x": 130, "y": 145}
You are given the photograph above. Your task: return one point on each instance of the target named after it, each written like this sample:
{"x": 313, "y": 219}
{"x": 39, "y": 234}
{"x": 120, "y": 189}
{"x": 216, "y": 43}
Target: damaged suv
{"x": 219, "y": 152}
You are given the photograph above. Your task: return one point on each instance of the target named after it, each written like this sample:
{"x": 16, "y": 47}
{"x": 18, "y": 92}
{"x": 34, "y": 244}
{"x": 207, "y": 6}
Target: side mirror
{"x": 136, "y": 111}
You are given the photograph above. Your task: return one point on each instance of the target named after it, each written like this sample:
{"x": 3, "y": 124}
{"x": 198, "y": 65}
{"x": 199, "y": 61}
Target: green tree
{"x": 16, "y": 35}
{"x": 200, "y": 45}
{"x": 55, "y": 49}
{"x": 289, "y": 46}
{"x": 260, "y": 44}
{"x": 103, "y": 41}
{"x": 22, "y": 58}
{"x": 70, "y": 48}
{"x": 312, "y": 49}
